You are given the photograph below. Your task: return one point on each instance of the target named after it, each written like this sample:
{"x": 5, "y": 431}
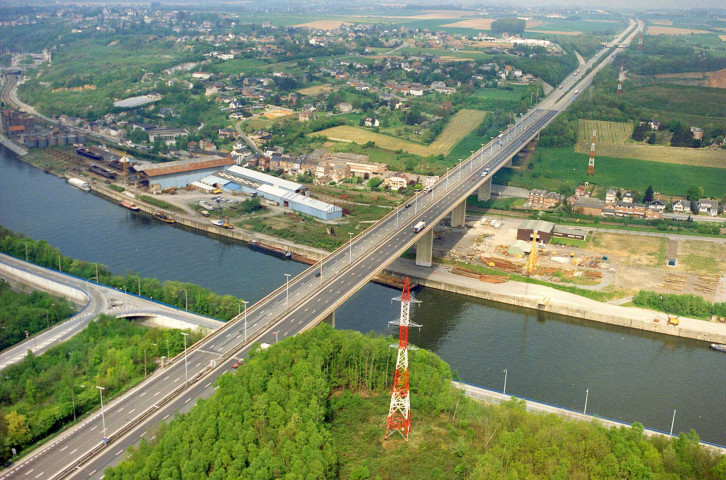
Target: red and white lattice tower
{"x": 591, "y": 162}
{"x": 621, "y": 77}
{"x": 399, "y": 413}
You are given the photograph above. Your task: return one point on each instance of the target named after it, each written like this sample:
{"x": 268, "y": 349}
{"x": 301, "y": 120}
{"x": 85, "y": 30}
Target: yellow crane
{"x": 532, "y": 262}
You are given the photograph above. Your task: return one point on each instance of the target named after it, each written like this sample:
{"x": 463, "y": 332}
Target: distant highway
{"x": 296, "y": 306}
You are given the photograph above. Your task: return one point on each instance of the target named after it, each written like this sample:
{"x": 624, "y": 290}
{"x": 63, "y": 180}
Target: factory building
{"x": 179, "y": 174}
{"x": 285, "y": 193}
{"x": 544, "y": 230}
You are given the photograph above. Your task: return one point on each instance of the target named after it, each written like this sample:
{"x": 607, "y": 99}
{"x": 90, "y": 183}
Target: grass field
{"x": 458, "y": 127}
{"x": 612, "y": 141}
{"x": 563, "y": 168}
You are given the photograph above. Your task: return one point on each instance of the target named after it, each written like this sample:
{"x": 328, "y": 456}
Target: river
{"x": 630, "y": 376}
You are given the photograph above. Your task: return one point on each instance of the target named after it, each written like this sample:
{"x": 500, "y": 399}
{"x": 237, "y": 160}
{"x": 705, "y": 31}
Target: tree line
{"x": 687, "y": 305}
{"x": 196, "y": 298}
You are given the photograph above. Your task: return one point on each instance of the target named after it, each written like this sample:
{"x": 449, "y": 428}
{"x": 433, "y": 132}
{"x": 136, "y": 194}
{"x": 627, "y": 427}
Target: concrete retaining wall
{"x": 570, "y": 311}
{"x": 53, "y": 287}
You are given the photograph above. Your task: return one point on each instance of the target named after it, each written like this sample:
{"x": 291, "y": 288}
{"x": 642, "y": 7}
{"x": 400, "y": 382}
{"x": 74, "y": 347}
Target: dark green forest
{"x": 200, "y": 300}
{"x": 28, "y": 312}
{"x": 315, "y": 406}
{"x": 42, "y": 394}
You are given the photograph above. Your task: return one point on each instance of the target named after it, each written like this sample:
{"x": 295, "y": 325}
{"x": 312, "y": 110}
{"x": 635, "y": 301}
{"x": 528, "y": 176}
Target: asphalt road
{"x": 292, "y": 308}
{"x": 100, "y": 299}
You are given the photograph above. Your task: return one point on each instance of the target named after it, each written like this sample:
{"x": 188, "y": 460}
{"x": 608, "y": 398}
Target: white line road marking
{"x": 29, "y": 472}
{"x": 132, "y": 411}
{"x": 157, "y": 393}
{"x": 165, "y": 417}
{"x": 207, "y": 385}
{"x": 142, "y": 394}
{"x": 145, "y": 432}
{"x": 74, "y": 451}
{"x": 90, "y": 474}
{"x": 195, "y": 366}
{"x": 118, "y": 453}
{"x": 38, "y": 475}
{"x": 95, "y": 427}
{"x": 175, "y": 380}
{"x": 64, "y": 448}
{"x": 187, "y": 400}
{"x": 120, "y": 410}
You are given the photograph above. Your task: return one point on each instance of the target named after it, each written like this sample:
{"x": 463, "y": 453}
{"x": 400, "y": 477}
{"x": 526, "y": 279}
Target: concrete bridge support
{"x": 485, "y": 191}
{"x": 458, "y": 215}
{"x": 425, "y": 249}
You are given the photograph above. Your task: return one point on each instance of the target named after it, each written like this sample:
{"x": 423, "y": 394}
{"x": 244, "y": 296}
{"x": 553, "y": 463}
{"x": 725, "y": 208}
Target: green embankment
{"x": 315, "y": 406}
{"x": 28, "y": 312}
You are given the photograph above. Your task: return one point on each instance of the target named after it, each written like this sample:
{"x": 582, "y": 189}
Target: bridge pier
{"x": 425, "y": 249}
{"x": 458, "y": 215}
{"x": 485, "y": 191}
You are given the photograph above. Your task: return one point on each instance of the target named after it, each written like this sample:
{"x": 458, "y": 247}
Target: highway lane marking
{"x": 120, "y": 410}
{"x": 142, "y": 394}
{"x": 157, "y": 393}
{"x": 38, "y": 475}
{"x": 64, "y": 448}
{"x": 165, "y": 417}
{"x": 207, "y": 385}
{"x": 145, "y": 432}
{"x": 90, "y": 474}
{"x": 118, "y": 453}
{"x": 187, "y": 400}
{"x": 132, "y": 411}
{"x": 175, "y": 380}
{"x": 95, "y": 427}
{"x": 29, "y": 472}
{"x": 74, "y": 451}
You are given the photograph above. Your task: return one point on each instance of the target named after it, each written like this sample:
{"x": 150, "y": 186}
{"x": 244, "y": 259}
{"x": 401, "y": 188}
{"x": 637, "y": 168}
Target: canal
{"x": 630, "y": 376}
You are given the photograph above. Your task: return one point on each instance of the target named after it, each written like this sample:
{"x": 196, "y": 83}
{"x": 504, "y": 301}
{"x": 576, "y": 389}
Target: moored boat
{"x": 218, "y": 223}
{"x": 256, "y": 245}
{"x": 130, "y": 205}
{"x": 81, "y": 184}
{"x": 159, "y": 215}
{"x": 720, "y": 347}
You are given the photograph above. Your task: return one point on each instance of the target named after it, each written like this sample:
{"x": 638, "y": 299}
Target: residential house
{"x": 345, "y": 107}
{"x": 588, "y": 206}
{"x": 657, "y": 206}
{"x": 371, "y": 122}
{"x": 397, "y": 181}
{"x": 709, "y": 207}
{"x": 697, "y": 133}
{"x": 654, "y": 125}
{"x": 611, "y": 196}
{"x": 682, "y": 206}
{"x": 542, "y": 200}
{"x": 628, "y": 197}
{"x": 630, "y": 209}
{"x": 307, "y": 115}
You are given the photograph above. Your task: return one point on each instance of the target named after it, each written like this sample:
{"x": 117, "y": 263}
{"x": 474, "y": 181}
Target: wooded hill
{"x": 315, "y": 405}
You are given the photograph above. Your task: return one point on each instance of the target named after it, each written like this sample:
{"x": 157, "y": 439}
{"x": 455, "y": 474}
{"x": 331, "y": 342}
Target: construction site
{"x": 493, "y": 250}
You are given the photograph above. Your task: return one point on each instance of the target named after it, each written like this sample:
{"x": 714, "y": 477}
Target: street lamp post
{"x": 471, "y": 164}
{"x": 103, "y": 414}
{"x": 505, "y": 382}
{"x": 59, "y": 262}
{"x": 459, "y": 169}
{"x": 287, "y": 290}
{"x": 447, "y": 179}
{"x": 126, "y": 300}
{"x": 350, "y": 247}
{"x": 186, "y": 370}
{"x": 138, "y": 278}
{"x": 245, "y": 302}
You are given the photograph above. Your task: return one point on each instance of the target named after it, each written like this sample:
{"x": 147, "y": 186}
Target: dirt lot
{"x": 634, "y": 262}
{"x": 661, "y": 30}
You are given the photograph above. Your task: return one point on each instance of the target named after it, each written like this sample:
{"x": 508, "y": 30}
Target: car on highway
{"x": 317, "y": 274}
{"x": 408, "y": 205}
{"x": 236, "y": 364}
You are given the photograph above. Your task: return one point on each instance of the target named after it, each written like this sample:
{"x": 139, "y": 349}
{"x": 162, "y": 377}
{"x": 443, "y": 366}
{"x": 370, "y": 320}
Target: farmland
{"x": 663, "y": 30}
{"x": 360, "y": 136}
{"x": 457, "y": 128}
{"x": 316, "y": 89}
{"x": 563, "y": 169}
{"x": 613, "y": 141}
{"x": 611, "y": 133}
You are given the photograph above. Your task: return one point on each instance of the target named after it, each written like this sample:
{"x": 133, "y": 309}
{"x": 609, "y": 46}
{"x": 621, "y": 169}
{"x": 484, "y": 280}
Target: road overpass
{"x": 299, "y": 304}
{"x": 94, "y": 300}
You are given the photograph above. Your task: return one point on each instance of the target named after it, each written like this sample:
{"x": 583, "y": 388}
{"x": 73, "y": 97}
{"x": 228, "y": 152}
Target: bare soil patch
{"x": 718, "y": 79}
{"x": 661, "y": 30}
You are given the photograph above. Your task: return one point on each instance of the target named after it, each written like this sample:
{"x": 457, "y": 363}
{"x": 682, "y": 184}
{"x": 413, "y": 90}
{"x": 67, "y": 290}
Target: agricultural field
{"x": 360, "y": 136}
{"x": 317, "y": 89}
{"x": 613, "y": 141}
{"x": 611, "y": 133}
{"x": 667, "y": 30}
{"x": 562, "y": 169}
{"x": 458, "y": 127}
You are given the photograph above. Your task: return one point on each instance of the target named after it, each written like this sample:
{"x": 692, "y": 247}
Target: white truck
{"x": 419, "y": 226}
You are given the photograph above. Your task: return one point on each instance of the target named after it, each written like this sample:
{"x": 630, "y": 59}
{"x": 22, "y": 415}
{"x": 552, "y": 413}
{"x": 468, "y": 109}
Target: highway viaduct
{"x": 299, "y": 304}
